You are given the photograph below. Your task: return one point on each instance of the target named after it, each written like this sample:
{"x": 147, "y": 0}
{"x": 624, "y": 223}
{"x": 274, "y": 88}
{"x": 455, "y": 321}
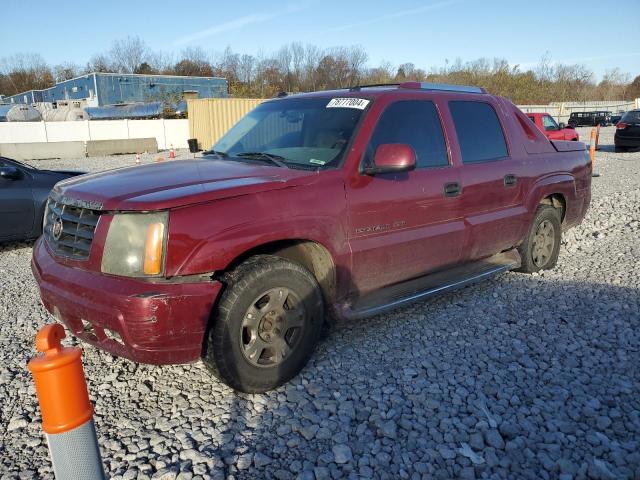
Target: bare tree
{"x": 126, "y": 55}
{"x": 98, "y": 63}
{"x": 295, "y": 67}
{"x": 22, "y": 72}
{"x": 65, "y": 71}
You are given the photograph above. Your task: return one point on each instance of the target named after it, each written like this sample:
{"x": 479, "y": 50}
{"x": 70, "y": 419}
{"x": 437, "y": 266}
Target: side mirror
{"x": 392, "y": 158}
{"x": 10, "y": 173}
{"x": 562, "y": 125}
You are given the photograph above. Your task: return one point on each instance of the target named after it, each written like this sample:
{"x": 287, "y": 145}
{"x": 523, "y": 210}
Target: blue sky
{"x": 423, "y": 32}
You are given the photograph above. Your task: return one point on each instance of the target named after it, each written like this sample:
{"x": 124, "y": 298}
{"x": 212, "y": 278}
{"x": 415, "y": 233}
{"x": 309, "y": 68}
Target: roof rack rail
{"x": 423, "y": 86}
{"x": 357, "y": 88}
{"x": 442, "y": 86}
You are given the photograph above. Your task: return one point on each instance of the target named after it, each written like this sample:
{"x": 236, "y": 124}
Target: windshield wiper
{"x": 269, "y": 157}
{"x": 215, "y": 152}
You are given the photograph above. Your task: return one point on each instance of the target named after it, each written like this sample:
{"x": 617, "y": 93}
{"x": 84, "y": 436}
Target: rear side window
{"x": 415, "y": 123}
{"x": 631, "y": 117}
{"x": 479, "y": 132}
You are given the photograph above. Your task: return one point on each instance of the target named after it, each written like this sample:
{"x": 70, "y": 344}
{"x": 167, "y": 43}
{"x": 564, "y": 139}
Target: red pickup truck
{"x": 552, "y": 129}
{"x": 314, "y": 207}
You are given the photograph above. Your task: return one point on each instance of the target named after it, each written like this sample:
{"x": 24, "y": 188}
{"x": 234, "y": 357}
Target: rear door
{"x": 16, "y": 204}
{"x": 404, "y": 225}
{"x": 492, "y": 179}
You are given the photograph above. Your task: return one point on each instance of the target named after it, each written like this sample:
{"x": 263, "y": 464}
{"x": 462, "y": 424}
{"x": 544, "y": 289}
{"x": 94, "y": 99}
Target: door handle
{"x": 452, "y": 189}
{"x": 510, "y": 180}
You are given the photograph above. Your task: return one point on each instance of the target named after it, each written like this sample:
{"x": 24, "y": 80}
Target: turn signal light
{"x": 621, "y": 126}
{"x": 153, "y": 249}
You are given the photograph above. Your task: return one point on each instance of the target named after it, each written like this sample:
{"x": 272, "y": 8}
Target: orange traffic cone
{"x": 172, "y": 153}
{"x": 67, "y": 413}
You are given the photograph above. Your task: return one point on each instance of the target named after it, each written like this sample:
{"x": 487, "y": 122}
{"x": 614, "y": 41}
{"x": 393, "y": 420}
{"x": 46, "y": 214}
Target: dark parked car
{"x": 23, "y": 194}
{"x": 589, "y": 119}
{"x": 628, "y": 131}
{"x": 615, "y": 117}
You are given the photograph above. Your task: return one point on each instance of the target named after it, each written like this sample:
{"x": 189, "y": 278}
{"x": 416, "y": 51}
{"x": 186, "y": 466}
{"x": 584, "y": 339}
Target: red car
{"x": 327, "y": 205}
{"x": 551, "y": 129}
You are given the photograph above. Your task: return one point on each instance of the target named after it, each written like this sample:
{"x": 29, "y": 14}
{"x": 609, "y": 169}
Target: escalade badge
{"x": 56, "y": 228}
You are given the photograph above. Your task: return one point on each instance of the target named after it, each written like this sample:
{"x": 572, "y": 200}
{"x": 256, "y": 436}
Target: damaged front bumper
{"x": 148, "y": 322}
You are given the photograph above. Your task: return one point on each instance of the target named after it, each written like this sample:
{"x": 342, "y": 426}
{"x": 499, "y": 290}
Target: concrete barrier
{"x": 166, "y": 132}
{"x": 99, "y": 148}
{"x": 42, "y": 150}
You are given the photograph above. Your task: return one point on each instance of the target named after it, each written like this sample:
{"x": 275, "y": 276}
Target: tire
{"x": 265, "y": 326}
{"x": 536, "y": 258}
{"x": 618, "y": 149}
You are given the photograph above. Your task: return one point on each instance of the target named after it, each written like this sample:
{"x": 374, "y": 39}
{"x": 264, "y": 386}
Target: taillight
{"x": 621, "y": 126}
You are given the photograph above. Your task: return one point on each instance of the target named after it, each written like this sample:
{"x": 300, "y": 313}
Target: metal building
{"x": 99, "y": 89}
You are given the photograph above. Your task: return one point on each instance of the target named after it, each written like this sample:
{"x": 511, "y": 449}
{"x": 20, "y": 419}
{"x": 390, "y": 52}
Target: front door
{"x": 403, "y": 225}
{"x": 551, "y": 128}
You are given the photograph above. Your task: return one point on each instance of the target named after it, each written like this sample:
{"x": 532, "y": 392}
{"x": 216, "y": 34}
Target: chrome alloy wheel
{"x": 272, "y": 327}
{"x": 543, "y": 243}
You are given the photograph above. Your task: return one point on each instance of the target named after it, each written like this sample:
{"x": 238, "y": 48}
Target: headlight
{"x": 135, "y": 245}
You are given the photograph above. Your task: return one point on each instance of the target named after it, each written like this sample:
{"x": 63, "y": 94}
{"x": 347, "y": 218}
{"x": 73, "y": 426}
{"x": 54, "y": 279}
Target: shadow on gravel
{"x": 10, "y": 246}
{"x": 612, "y": 149}
{"x": 521, "y": 377}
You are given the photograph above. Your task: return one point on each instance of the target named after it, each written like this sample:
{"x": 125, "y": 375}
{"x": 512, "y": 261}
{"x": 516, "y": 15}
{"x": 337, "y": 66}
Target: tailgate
{"x": 568, "y": 146}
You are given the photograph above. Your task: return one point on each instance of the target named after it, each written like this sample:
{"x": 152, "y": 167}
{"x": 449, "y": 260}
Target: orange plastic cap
{"x": 60, "y": 383}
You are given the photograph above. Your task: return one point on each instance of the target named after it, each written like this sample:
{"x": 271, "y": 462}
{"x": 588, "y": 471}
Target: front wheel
{"x": 541, "y": 247}
{"x": 266, "y": 325}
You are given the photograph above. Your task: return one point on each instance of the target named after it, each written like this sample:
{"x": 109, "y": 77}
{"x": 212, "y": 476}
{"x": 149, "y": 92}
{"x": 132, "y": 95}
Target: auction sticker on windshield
{"x": 359, "y": 103}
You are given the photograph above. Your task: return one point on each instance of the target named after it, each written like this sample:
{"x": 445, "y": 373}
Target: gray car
{"x": 23, "y": 194}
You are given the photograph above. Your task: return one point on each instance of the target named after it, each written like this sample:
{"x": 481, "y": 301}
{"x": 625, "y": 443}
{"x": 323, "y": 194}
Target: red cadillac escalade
{"x": 327, "y": 205}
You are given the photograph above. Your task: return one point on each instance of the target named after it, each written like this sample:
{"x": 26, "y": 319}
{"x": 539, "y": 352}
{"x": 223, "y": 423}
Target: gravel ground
{"x": 519, "y": 377}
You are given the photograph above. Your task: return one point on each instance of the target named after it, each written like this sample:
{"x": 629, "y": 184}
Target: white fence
{"x": 561, "y": 110}
{"x": 166, "y": 132}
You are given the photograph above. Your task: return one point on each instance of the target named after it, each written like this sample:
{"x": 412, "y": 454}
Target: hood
{"x": 177, "y": 183}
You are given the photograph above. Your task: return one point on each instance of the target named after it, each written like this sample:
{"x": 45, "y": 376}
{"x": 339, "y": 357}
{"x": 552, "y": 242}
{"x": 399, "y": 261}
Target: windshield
{"x": 631, "y": 117}
{"x": 11, "y": 162}
{"x": 302, "y": 132}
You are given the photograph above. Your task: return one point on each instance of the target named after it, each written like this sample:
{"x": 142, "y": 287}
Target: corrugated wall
{"x": 210, "y": 118}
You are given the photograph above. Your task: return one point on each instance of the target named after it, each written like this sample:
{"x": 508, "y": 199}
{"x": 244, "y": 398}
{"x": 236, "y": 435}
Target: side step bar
{"x": 421, "y": 288}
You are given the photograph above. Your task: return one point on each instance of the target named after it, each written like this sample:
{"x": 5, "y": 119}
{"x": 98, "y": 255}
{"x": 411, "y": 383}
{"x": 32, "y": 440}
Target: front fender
{"x": 209, "y": 237}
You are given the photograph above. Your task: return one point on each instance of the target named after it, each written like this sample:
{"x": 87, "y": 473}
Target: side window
{"x": 415, "y": 123}
{"x": 533, "y": 119}
{"x": 479, "y": 132}
{"x": 549, "y": 123}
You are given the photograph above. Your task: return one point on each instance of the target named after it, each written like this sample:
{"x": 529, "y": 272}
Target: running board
{"x": 414, "y": 290}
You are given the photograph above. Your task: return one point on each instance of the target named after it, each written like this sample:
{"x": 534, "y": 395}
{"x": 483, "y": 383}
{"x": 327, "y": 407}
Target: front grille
{"x": 73, "y": 234}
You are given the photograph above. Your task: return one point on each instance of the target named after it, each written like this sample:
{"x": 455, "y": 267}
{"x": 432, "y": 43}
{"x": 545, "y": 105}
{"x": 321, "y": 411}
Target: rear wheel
{"x": 618, "y": 149}
{"x": 266, "y": 325}
{"x": 541, "y": 247}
